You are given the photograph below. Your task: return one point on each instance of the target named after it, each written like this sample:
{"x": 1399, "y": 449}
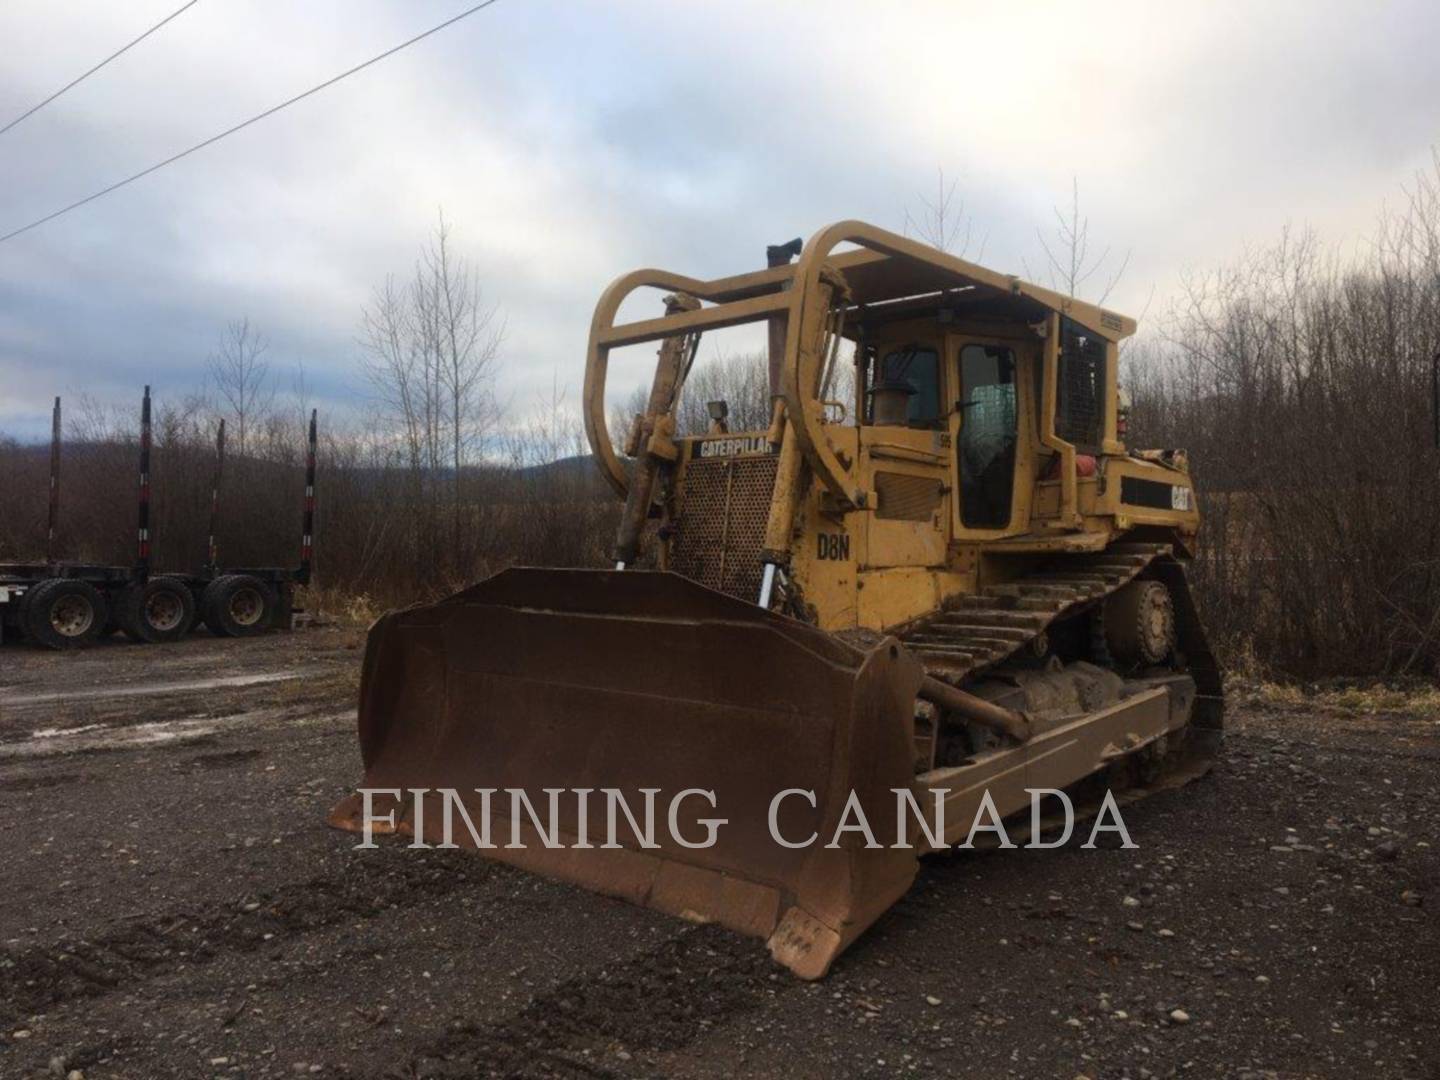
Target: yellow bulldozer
{"x": 951, "y": 589}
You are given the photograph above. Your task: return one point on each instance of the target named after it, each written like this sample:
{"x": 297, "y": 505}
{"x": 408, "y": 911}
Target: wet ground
{"x": 174, "y": 907}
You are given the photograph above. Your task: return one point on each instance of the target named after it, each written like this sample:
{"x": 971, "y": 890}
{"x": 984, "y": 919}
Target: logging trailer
{"x": 64, "y": 604}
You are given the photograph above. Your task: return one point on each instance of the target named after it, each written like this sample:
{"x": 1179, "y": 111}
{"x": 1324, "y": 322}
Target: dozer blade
{"x": 625, "y": 681}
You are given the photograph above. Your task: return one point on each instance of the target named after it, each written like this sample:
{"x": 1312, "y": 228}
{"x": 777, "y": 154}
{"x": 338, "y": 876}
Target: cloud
{"x": 570, "y": 142}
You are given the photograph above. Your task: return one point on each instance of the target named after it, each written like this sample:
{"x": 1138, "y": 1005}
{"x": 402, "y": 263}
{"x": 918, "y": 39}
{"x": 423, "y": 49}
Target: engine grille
{"x": 721, "y": 524}
{"x": 902, "y": 497}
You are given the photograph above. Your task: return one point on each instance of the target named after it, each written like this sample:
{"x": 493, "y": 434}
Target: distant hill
{"x": 581, "y": 465}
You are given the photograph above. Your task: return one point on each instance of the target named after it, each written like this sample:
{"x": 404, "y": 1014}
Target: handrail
{"x": 712, "y": 318}
{"x": 1050, "y": 372}
{"x": 605, "y": 335}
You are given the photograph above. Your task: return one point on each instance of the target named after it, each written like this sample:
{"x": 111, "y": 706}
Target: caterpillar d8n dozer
{"x": 959, "y": 583}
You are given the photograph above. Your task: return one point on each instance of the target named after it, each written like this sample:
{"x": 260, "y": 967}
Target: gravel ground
{"x": 174, "y": 907}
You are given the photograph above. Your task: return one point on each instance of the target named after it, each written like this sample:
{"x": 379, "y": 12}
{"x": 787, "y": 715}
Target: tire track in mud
{"x": 128, "y": 734}
{"x": 108, "y": 693}
{"x": 658, "y": 1001}
{"x": 37, "y": 977}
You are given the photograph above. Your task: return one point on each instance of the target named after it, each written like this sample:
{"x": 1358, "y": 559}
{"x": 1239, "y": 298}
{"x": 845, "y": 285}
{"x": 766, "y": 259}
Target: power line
{"x": 75, "y": 82}
{"x": 245, "y": 123}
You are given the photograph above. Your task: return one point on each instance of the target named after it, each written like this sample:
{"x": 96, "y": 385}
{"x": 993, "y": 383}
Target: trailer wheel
{"x": 162, "y": 609}
{"x": 64, "y": 613}
{"x": 237, "y": 605}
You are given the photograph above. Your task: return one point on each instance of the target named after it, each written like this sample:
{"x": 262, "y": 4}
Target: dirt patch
{"x": 177, "y": 908}
{"x": 38, "y": 783}
{"x": 226, "y": 759}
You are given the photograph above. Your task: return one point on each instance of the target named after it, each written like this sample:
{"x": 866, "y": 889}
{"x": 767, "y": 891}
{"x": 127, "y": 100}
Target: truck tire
{"x": 64, "y": 613}
{"x": 237, "y": 605}
{"x": 162, "y": 609}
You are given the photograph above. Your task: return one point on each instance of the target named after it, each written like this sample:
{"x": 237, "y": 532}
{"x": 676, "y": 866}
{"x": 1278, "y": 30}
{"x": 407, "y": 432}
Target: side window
{"x": 918, "y": 369}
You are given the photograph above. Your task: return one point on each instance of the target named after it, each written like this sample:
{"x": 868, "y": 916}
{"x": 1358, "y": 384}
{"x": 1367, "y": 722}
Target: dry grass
{"x": 328, "y": 686}
{"x": 1420, "y": 701}
{"x": 351, "y": 611}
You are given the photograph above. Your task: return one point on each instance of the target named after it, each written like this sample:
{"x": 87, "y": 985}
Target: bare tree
{"x": 942, "y": 222}
{"x": 1069, "y": 264}
{"x": 467, "y": 337}
{"x": 393, "y": 365}
{"x": 241, "y": 378}
{"x": 741, "y": 380}
{"x": 430, "y": 351}
{"x": 1299, "y": 379}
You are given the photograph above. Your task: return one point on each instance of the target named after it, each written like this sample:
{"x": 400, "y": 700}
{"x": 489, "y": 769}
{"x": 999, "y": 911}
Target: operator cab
{"x": 978, "y": 381}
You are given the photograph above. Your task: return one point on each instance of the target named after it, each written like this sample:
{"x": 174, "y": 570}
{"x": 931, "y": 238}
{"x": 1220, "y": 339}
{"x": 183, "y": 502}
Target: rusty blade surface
{"x": 578, "y": 679}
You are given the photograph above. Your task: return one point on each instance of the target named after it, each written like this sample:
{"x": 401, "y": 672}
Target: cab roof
{"x": 878, "y": 279}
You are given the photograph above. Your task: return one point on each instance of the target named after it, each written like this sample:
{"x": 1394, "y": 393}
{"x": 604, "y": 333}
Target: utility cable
{"x": 245, "y": 123}
{"x": 77, "y": 81}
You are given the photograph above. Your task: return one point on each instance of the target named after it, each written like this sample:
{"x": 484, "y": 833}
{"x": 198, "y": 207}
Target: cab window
{"x": 987, "y": 436}
{"x": 914, "y": 366}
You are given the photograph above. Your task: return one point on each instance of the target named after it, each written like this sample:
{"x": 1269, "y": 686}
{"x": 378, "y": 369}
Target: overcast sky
{"x": 568, "y": 142}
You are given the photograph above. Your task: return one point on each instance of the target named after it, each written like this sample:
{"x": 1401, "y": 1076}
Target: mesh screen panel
{"x": 1080, "y": 387}
{"x": 721, "y": 524}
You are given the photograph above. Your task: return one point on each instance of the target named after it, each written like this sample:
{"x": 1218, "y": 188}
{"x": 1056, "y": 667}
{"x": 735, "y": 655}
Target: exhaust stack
{"x": 779, "y": 325}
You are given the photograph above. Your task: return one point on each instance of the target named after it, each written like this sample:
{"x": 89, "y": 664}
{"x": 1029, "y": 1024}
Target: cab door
{"x": 907, "y": 460}
{"x": 985, "y": 434}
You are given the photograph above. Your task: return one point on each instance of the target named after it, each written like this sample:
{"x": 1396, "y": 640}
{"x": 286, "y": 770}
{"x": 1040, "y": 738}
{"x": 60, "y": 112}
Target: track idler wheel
{"x": 1140, "y": 623}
